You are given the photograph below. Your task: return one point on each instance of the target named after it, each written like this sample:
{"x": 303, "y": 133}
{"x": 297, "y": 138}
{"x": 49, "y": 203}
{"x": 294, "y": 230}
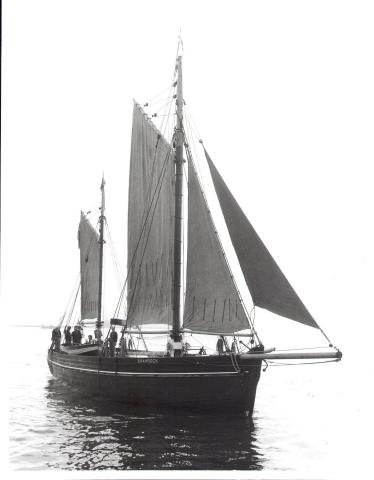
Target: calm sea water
{"x": 296, "y": 424}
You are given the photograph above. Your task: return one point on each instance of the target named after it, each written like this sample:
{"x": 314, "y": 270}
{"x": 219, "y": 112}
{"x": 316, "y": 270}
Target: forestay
{"x": 150, "y": 224}
{"x": 88, "y": 241}
{"x": 212, "y": 303}
{"x": 269, "y": 288}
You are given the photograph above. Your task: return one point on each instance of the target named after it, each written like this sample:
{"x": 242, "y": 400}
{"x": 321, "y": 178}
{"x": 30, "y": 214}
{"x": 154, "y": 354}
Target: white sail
{"x": 150, "y": 225}
{"x": 269, "y": 288}
{"x": 88, "y": 241}
{"x": 212, "y": 303}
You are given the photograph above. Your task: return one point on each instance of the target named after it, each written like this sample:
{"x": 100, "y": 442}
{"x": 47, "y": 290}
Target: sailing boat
{"x": 177, "y": 375}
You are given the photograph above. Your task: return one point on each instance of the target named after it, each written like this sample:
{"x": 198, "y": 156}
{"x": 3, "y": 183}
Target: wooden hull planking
{"x": 199, "y": 383}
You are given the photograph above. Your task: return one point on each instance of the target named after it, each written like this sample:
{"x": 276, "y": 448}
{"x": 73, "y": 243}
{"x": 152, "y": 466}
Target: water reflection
{"x": 92, "y": 432}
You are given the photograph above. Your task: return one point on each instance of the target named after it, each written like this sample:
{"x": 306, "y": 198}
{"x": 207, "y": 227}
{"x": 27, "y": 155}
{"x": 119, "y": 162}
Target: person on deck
{"x": 113, "y": 342}
{"x": 98, "y": 334}
{"x": 114, "y": 336}
{"x": 219, "y": 346}
{"x": 106, "y": 348}
{"x": 169, "y": 347}
{"x": 67, "y": 334}
{"x": 131, "y": 344}
{"x": 77, "y": 336}
{"x": 56, "y": 339}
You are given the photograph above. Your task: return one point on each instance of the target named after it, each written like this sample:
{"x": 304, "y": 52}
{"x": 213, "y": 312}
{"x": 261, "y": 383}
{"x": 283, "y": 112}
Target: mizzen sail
{"x": 269, "y": 288}
{"x": 212, "y": 303}
{"x": 88, "y": 241}
{"x": 150, "y": 225}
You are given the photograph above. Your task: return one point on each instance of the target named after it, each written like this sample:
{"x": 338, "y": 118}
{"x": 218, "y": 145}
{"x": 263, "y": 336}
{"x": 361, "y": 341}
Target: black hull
{"x": 213, "y": 383}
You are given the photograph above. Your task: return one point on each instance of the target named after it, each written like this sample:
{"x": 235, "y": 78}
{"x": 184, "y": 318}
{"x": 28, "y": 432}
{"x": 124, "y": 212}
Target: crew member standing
{"x": 67, "y": 334}
{"x": 76, "y": 336}
{"x": 98, "y": 334}
{"x": 56, "y": 339}
{"x": 219, "y": 346}
{"x": 113, "y": 341}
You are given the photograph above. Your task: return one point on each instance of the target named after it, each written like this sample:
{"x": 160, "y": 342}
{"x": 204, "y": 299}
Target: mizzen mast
{"x": 179, "y": 137}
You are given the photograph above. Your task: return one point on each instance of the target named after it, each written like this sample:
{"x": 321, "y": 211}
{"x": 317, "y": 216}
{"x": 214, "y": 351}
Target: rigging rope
{"x": 197, "y": 163}
{"x": 324, "y": 334}
{"x": 164, "y": 100}
{"x": 116, "y": 263}
{"x": 164, "y": 107}
{"x": 164, "y": 124}
{"x": 234, "y": 362}
{"x": 272, "y": 363}
{"x": 253, "y": 309}
{"x": 72, "y": 308}
{"x": 296, "y": 349}
{"x": 157, "y": 95}
{"x": 73, "y": 292}
{"x": 197, "y": 133}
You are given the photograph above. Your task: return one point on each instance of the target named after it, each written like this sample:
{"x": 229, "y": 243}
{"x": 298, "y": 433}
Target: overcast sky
{"x": 281, "y": 92}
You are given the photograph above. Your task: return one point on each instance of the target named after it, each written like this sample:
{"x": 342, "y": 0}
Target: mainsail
{"x": 269, "y": 288}
{"x": 88, "y": 241}
{"x": 212, "y": 303}
{"x": 150, "y": 225}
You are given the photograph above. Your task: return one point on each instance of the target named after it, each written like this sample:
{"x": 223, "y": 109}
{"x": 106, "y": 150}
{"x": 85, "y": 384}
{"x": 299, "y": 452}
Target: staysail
{"x": 212, "y": 303}
{"x": 150, "y": 225}
{"x": 88, "y": 241}
{"x": 269, "y": 288}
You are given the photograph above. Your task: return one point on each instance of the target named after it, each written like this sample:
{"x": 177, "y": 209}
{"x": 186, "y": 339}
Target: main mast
{"x": 176, "y": 335}
{"x": 101, "y": 242}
